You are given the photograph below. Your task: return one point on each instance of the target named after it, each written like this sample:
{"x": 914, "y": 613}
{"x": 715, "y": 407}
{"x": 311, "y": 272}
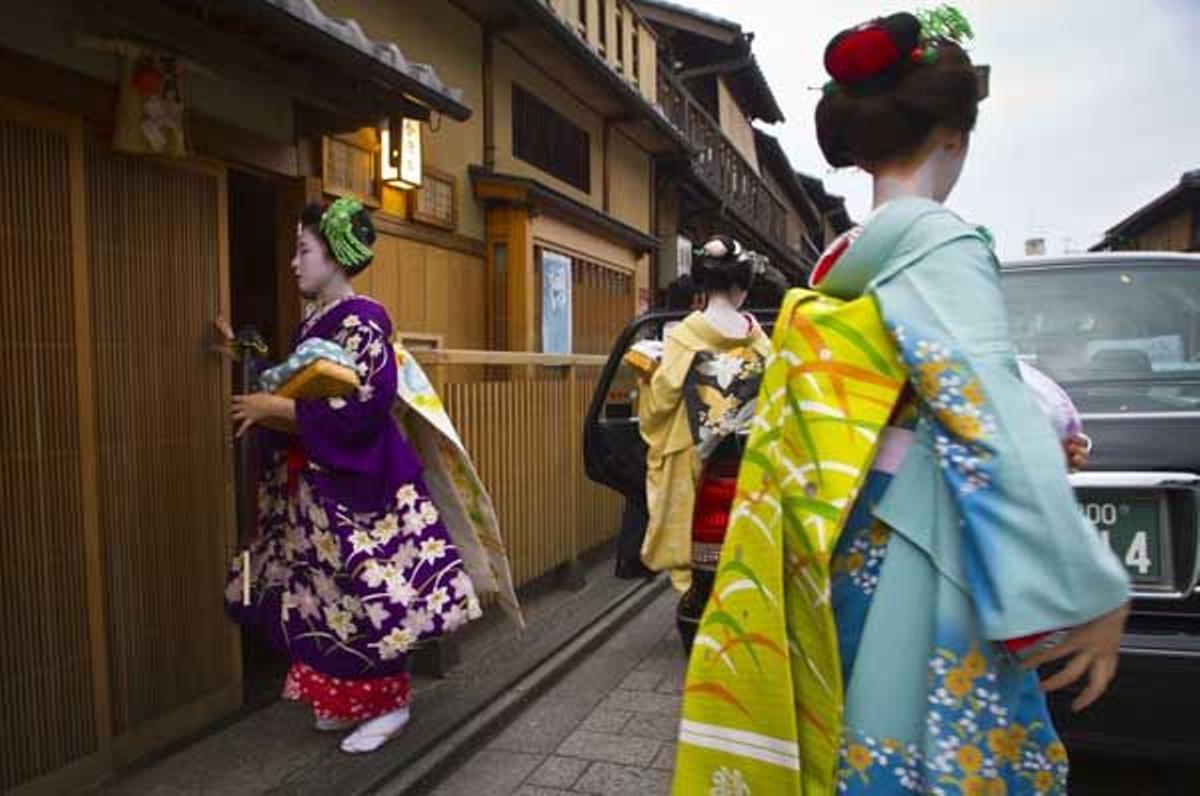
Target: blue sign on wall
{"x": 556, "y": 303}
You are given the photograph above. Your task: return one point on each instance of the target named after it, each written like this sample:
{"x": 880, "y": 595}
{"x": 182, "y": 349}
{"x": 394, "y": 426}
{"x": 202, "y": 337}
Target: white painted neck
{"x": 724, "y": 316}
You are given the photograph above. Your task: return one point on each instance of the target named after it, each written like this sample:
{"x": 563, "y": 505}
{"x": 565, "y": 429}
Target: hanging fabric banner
{"x": 150, "y": 107}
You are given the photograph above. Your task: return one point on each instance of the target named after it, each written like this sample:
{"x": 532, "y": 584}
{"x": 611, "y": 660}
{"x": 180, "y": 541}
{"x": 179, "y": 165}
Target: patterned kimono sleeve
{"x": 1032, "y": 562}
{"x": 334, "y": 430}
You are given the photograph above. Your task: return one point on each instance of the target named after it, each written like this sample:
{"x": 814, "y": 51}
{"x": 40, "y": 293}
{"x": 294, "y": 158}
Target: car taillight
{"x": 714, "y": 501}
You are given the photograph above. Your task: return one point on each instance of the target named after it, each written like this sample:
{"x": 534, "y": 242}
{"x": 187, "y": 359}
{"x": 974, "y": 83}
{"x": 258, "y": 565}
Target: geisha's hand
{"x": 223, "y": 339}
{"x": 1093, "y": 649}
{"x": 260, "y": 406}
{"x": 1077, "y": 449}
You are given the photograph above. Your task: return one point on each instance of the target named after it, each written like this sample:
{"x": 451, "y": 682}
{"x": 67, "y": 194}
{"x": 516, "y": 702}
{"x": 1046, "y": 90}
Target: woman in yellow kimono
{"x": 702, "y": 392}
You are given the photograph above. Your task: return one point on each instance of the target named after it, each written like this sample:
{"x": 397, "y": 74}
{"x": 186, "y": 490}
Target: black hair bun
{"x": 721, "y": 264}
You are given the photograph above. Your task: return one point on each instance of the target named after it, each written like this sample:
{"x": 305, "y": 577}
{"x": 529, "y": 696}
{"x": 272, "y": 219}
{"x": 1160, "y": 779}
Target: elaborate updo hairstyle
{"x": 345, "y": 230}
{"x": 722, "y": 264}
{"x": 895, "y": 79}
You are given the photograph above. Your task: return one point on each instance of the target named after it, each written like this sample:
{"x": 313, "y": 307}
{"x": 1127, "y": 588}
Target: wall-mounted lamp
{"x": 401, "y": 153}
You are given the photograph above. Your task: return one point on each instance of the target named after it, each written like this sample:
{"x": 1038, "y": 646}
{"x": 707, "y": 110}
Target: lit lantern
{"x": 401, "y": 156}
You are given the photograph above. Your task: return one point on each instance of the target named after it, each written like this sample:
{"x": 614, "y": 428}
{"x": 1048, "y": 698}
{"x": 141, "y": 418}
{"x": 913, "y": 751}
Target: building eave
{"x": 696, "y": 22}
{"x": 771, "y": 153}
{"x": 733, "y": 55}
{"x": 1154, "y": 211}
{"x": 327, "y": 62}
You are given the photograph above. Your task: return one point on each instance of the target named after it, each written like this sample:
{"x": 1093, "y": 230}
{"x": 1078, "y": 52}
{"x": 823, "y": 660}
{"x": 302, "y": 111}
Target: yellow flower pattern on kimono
{"x": 862, "y": 561}
{"x": 982, "y": 749}
{"x": 953, "y": 395}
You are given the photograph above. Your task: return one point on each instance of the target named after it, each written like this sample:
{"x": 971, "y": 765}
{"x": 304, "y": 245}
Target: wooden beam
{"x": 730, "y": 65}
{"x": 606, "y": 188}
{"x": 689, "y": 23}
{"x": 224, "y": 141}
{"x": 489, "y": 97}
{"x": 391, "y": 225}
{"x": 442, "y": 356}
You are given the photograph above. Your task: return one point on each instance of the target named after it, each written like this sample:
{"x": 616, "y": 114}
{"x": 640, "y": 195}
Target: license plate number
{"x": 1131, "y": 528}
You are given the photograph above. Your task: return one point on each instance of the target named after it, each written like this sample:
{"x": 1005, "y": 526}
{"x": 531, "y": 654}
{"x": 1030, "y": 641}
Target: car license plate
{"x": 1132, "y": 527}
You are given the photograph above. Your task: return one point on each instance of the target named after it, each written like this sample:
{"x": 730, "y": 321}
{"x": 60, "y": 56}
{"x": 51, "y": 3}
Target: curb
{"x": 445, "y": 753}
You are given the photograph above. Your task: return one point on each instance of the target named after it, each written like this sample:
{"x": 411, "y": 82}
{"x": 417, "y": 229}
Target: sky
{"x": 1091, "y": 114}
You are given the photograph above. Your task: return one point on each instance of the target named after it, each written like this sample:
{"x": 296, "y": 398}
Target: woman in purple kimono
{"x": 353, "y": 565}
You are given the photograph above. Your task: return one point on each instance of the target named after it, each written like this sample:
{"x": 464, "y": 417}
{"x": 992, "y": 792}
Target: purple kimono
{"x": 353, "y": 565}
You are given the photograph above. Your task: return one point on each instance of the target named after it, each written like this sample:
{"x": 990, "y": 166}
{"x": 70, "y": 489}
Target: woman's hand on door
{"x": 254, "y": 408}
{"x": 224, "y": 342}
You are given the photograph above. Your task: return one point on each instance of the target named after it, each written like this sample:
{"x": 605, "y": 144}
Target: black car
{"x": 1121, "y": 333}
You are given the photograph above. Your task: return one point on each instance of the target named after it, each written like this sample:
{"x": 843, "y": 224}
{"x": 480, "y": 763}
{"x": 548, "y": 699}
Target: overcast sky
{"x": 1091, "y": 115}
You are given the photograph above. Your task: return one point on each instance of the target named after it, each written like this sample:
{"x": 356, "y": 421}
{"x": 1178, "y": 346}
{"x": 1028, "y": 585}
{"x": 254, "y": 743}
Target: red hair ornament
{"x": 869, "y": 56}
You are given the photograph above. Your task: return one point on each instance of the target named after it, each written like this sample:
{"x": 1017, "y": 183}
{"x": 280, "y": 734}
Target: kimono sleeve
{"x": 1032, "y": 562}
{"x": 335, "y": 431}
{"x": 658, "y": 401}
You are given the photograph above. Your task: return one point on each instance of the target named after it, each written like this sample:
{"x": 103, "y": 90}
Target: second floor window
{"x": 545, "y": 138}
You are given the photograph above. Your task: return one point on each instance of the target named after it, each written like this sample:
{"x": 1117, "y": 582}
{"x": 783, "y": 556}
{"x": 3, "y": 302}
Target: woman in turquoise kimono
{"x": 958, "y": 561}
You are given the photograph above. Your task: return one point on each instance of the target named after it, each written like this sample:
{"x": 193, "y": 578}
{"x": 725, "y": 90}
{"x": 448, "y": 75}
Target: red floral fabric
{"x": 333, "y": 698}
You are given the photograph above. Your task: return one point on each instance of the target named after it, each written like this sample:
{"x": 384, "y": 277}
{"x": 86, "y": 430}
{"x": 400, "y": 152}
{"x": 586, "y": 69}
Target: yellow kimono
{"x": 703, "y": 390}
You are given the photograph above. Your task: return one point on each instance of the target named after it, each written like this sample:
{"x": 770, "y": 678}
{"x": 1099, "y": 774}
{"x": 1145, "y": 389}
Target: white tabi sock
{"x": 376, "y": 732}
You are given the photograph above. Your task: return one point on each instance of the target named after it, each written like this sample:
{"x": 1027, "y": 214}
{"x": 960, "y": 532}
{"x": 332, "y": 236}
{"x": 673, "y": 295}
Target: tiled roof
{"x": 349, "y": 32}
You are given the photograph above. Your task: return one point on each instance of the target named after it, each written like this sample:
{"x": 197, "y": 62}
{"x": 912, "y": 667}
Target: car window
{"x": 1117, "y": 337}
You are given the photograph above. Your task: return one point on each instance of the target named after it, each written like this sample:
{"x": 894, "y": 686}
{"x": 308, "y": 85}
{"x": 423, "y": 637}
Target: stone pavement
{"x": 276, "y": 751}
{"x": 608, "y": 727}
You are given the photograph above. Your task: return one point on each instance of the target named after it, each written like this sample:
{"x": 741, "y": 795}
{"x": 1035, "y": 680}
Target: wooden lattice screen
{"x": 601, "y": 304}
{"x": 48, "y": 715}
{"x": 155, "y": 243}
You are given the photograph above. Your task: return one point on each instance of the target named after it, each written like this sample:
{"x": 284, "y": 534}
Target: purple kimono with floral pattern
{"x": 353, "y": 565}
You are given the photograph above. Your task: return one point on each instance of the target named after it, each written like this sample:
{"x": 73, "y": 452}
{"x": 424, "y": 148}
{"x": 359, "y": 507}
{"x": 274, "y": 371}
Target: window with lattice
{"x": 436, "y": 201}
{"x": 545, "y": 138}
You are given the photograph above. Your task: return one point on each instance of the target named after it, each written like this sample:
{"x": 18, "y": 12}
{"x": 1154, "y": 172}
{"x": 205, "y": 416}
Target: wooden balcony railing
{"x": 720, "y": 165}
{"x": 615, "y": 30}
{"x": 524, "y": 430}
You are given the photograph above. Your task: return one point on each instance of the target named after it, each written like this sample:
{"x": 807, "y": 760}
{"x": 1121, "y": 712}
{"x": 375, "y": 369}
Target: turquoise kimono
{"x": 975, "y": 538}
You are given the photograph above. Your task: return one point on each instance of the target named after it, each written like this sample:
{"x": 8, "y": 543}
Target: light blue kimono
{"x": 975, "y": 539}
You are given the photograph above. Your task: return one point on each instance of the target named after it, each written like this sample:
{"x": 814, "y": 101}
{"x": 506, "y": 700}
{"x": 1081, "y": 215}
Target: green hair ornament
{"x": 945, "y": 22}
{"x": 337, "y": 227}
